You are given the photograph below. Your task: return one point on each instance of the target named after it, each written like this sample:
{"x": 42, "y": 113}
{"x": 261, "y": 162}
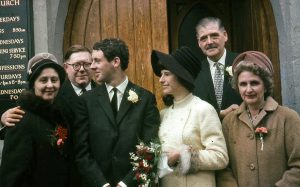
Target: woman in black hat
{"x": 35, "y": 151}
{"x": 192, "y": 141}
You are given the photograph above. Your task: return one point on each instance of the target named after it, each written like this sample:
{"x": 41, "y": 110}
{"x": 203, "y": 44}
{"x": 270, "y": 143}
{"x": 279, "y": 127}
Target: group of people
{"x": 219, "y": 127}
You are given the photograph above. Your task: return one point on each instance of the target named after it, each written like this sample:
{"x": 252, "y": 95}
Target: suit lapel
{"x": 125, "y": 104}
{"x": 210, "y": 85}
{"x": 68, "y": 90}
{"x": 227, "y": 85}
{"x": 93, "y": 84}
{"x": 104, "y": 102}
{"x": 244, "y": 118}
{"x": 228, "y": 59}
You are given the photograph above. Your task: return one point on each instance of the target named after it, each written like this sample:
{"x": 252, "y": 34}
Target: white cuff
{"x": 122, "y": 184}
{"x": 2, "y": 127}
{"x": 163, "y": 167}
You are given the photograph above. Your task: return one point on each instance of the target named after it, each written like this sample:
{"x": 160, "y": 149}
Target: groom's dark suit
{"x": 204, "y": 86}
{"x": 103, "y": 143}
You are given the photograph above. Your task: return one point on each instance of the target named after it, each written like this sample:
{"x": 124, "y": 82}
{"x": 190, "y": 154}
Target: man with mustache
{"x": 212, "y": 36}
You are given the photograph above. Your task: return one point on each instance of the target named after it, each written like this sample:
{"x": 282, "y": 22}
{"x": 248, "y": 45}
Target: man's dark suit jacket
{"x": 67, "y": 98}
{"x": 204, "y": 86}
{"x": 103, "y": 143}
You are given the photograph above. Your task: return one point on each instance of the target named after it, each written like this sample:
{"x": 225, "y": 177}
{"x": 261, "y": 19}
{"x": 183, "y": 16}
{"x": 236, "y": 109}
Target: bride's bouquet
{"x": 144, "y": 162}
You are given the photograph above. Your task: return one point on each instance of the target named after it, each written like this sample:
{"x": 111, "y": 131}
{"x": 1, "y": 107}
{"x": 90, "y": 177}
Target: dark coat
{"x": 103, "y": 143}
{"x": 204, "y": 86}
{"x": 68, "y": 97}
{"x": 29, "y": 159}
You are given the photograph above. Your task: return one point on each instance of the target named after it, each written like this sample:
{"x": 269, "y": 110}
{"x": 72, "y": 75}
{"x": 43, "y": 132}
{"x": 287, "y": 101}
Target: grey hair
{"x": 207, "y": 20}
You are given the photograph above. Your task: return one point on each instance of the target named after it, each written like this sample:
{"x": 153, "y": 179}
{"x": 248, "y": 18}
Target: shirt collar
{"x": 121, "y": 87}
{"x": 221, "y": 60}
{"x": 78, "y": 90}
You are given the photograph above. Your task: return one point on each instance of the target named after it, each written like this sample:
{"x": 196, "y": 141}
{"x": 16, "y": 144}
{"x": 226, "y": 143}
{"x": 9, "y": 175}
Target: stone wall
{"x": 288, "y": 25}
{"x": 49, "y": 19}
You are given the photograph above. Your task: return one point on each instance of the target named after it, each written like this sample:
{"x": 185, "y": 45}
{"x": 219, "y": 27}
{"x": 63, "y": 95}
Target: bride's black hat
{"x": 183, "y": 63}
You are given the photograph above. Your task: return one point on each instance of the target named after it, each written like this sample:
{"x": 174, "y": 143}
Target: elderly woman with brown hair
{"x": 263, "y": 138}
{"x": 193, "y": 144}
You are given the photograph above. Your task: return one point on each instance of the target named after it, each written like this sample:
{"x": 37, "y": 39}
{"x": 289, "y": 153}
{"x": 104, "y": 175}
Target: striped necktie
{"x": 82, "y": 91}
{"x": 218, "y": 82}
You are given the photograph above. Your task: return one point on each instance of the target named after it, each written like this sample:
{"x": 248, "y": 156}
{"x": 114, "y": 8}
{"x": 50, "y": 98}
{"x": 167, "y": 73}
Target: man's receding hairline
{"x": 214, "y": 22}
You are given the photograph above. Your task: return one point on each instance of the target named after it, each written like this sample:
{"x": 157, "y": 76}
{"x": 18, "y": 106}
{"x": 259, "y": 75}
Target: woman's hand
{"x": 173, "y": 157}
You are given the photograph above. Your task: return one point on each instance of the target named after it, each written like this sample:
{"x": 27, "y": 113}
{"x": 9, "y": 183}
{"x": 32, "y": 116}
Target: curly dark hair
{"x": 256, "y": 70}
{"x": 114, "y": 47}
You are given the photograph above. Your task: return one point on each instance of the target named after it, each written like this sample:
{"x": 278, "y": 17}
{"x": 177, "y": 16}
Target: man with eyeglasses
{"x": 77, "y": 62}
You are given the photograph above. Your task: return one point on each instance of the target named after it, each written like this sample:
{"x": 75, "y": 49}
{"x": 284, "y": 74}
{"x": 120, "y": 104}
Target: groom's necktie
{"x": 218, "y": 80}
{"x": 82, "y": 91}
{"x": 114, "y": 102}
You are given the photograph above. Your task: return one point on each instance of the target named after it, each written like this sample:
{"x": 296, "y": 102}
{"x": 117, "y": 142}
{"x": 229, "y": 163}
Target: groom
{"x": 104, "y": 139}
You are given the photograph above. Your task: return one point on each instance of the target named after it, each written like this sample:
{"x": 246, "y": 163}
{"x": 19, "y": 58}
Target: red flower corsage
{"x": 59, "y": 136}
{"x": 261, "y": 132}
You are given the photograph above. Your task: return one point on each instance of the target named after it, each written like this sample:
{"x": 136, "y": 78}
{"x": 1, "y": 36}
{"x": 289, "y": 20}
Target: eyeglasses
{"x": 77, "y": 67}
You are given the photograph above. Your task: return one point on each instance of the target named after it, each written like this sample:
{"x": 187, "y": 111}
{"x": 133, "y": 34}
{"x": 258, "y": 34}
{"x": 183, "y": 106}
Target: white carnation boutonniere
{"x": 229, "y": 71}
{"x": 133, "y": 96}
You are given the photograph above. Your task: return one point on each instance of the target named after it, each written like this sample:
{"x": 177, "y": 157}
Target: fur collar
{"x": 51, "y": 112}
